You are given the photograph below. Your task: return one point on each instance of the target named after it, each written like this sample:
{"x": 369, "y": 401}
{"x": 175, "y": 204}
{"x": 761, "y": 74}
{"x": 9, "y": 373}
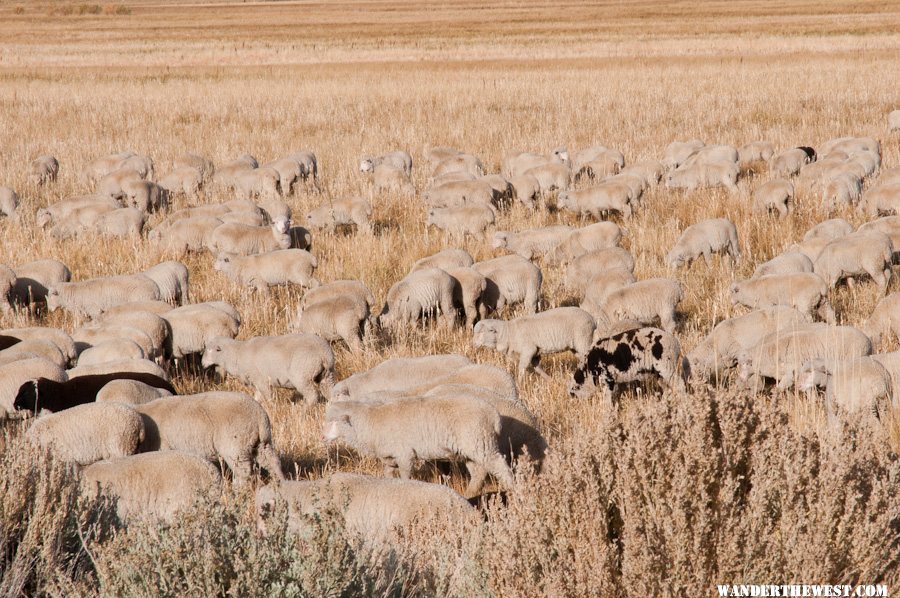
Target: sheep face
{"x": 812, "y": 375}
{"x": 213, "y": 355}
{"x": 27, "y": 397}
{"x": 53, "y": 302}
{"x": 43, "y": 218}
{"x": 561, "y": 154}
{"x": 675, "y": 259}
{"x": 486, "y": 334}
{"x": 223, "y": 262}
{"x": 367, "y": 165}
{"x": 582, "y": 385}
{"x": 500, "y": 240}
{"x": 338, "y": 424}
{"x": 281, "y": 226}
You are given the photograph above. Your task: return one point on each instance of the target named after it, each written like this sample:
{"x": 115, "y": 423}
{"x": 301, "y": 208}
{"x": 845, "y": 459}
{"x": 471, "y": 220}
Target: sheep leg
{"x": 261, "y": 388}
{"x": 497, "y": 466}
{"x": 405, "y": 466}
{"x": 825, "y": 311}
{"x": 707, "y": 256}
{"x": 667, "y": 319}
{"x": 267, "y": 458}
{"x": 477, "y": 477}
{"x": 309, "y": 392}
{"x": 241, "y": 468}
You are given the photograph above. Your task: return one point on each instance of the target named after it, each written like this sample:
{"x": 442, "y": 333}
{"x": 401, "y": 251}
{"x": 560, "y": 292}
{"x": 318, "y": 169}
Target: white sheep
{"x": 243, "y": 239}
{"x": 91, "y": 297}
{"x": 713, "y": 154}
{"x": 649, "y": 172}
{"x": 130, "y": 392}
{"x": 855, "y": 385}
{"x": 184, "y": 179}
{"x": 386, "y": 178}
{"x": 135, "y": 366}
{"x": 468, "y": 290}
{"x": 60, "y": 338}
{"x": 186, "y": 234}
{"x": 9, "y": 203}
{"x": 14, "y": 375}
{"x": 888, "y": 225}
{"x": 337, "y": 288}
{"x": 702, "y": 176}
{"x": 154, "y": 486}
{"x": 459, "y": 193}
{"x": 336, "y": 318}
{"x": 296, "y": 361}
{"x": 445, "y": 260}
{"x": 598, "y": 287}
{"x": 144, "y": 195}
{"x": 600, "y": 235}
{"x": 553, "y": 176}
{"x": 677, "y": 152}
{"x": 527, "y": 189}
{"x": 894, "y": 121}
{"x": 841, "y": 191}
{"x": 346, "y": 211}
{"x": 601, "y": 167}
{"x": 262, "y": 182}
{"x": 755, "y": 151}
{"x": 590, "y": 154}
{"x": 420, "y": 292}
{"x": 460, "y": 162}
{"x": 403, "y": 431}
{"x": 705, "y": 238}
{"x": 532, "y": 243}
{"x": 74, "y": 208}
{"x": 279, "y": 267}
{"x": 586, "y": 266}
{"x": 397, "y": 374}
{"x": 111, "y": 350}
{"x": 219, "y": 425}
{"x": 829, "y": 229}
{"x": 510, "y": 279}
{"x": 788, "y": 163}
{"x": 598, "y": 201}
{"x": 790, "y": 262}
{"x": 398, "y": 159}
{"x": 856, "y": 254}
{"x": 518, "y": 163}
{"x": 88, "y": 433}
{"x": 154, "y": 307}
{"x": 173, "y": 280}
{"x": 462, "y": 221}
{"x": 806, "y": 292}
{"x": 30, "y": 348}
{"x": 43, "y": 170}
{"x": 644, "y": 301}
{"x": 529, "y": 337}
{"x": 194, "y": 326}
{"x": 777, "y": 194}
{"x": 503, "y": 189}
{"x": 882, "y": 200}
{"x": 96, "y": 169}
{"x": 884, "y": 319}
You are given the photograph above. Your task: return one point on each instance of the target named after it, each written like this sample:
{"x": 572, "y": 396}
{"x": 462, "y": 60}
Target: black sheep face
{"x": 27, "y": 397}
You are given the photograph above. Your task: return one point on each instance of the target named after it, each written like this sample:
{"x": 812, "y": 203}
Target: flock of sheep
{"x": 105, "y": 400}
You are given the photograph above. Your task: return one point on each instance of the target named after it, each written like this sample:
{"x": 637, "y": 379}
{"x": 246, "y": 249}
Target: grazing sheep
{"x": 884, "y": 319}
{"x": 599, "y": 168}
{"x": 702, "y": 176}
{"x": 459, "y": 193}
{"x": 91, "y": 297}
{"x": 712, "y": 154}
{"x": 503, "y": 189}
{"x": 644, "y": 301}
{"x": 194, "y": 326}
{"x": 462, "y": 221}
{"x": 309, "y": 166}
{"x": 154, "y": 307}
{"x": 510, "y": 279}
{"x": 9, "y": 202}
{"x": 595, "y": 153}
{"x": 705, "y": 238}
{"x": 219, "y": 425}
{"x": 336, "y": 318}
{"x": 111, "y": 350}
{"x": 519, "y": 163}
{"x": 399, "y": 159}
{"x": 445, "y": 260}
{"x": 595, "y": 201}
{"x": 460, "y": 162}
{"x": 788, "y": 163}
{"x": 280, "y": 267}
{"x": 202, "y": 164}
{"x": 338, "y": 288}
{"x": 27, "y": 349}
{"x": 43, "y": 170}
{"x": 277, "y": 213}
{"x": 842, "y": 190}
{"x": 354, "y": 210}
{"x": 14, "y": 375}
{"x": 780, "y": 354}
{"x": 389, "y": 179}
{"x": 124, "y": 222}
{"x": 630, "y": 356}
{"x": 95, "y": 334}
{"x": 370, "y": 507}
{"x": 184, "y": 179}
{"x": 882, "y": 200}
{"x": 495, "y": 380}
{"x": 791, "y": 262}
{"x": 60, "y": 338}
{"x": 598, "y": 287}
{"x": 289, "y": 171}
{"x": 755, "y": 151}
{"x": 418, "y": 293}
{"x": 130, "y": 392}
{"x": 777, "y": 195}
{"x": 532, "y": 243}
{"x": 585, "y": 267}
{"x": 172, "y": 278}
{"x": 85, "y": 434}
{"x": 806, "y": 292}
{"x": 600, "y": 235}
{"x": 719, "y": 351}
{"x": 451, "y": 177}
{"x": 96, "y": 169}
{"x": 87, "y": 208}
{"x": 527, "y": 189}
{"x": 829, "y": 229}
{"x": 468, "y": 289}
{"x": 99, "y": 218}
{"x": 243, "y": 239}
{"x": 144, "y": 195}
{"x": 186, "y": 234}
{"x": 84, "y": 216}
{"x": 153, "y": 486}
{"x": 854, "y": 385}
{"x": 397, "y": 374}
{"x": 553, "y": 176}
{"x": 296, "y": 361}
{"x": 856, "y": 254}
{"x": 552, "y": 331}
{"x": 111, "y": 184}
{"x": 262, "y": 182}
{"x": 403, "y": 431}
{"x": 888, "y": 225}
{"x": 677, "y": 152}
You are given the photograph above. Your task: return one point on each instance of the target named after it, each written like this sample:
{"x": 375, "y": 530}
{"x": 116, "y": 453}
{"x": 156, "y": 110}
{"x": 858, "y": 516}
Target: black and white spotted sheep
{"x": 628, "y": 357}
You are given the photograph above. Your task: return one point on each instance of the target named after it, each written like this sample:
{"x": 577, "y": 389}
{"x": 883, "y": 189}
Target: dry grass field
{"x": 658, "y": 496}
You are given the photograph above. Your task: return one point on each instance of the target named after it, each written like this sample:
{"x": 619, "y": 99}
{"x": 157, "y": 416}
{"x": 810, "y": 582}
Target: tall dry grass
{"x": 658, "y": 496}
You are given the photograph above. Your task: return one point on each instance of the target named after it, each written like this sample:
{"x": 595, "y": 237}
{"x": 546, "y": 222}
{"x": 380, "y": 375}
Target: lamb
{"x": 186, "y": 234}
{"x": 445, "y": 260}
{"x": 130, "y": 392}
{"x": 9, "y": 203}
{"x": 552, "y": 331}
{"x": 527, "y": 189}
{"x": 338, "y": 288}
{"x": 403, "y": 431}
{"x": 585, "y": 267}
{"x": 510, "y": 279}
{"x": 599, "y": 286}
{"x": 194, "y": 326}
{"x": 806, "y": 292}
{"x": 14, "y": 375}
{"x": 173, "y": 280}
{"x": 859, "y": 253}
{"x": 152, "y": 486}
{"x": 58, "y": 337}
{"x": 355, "y": 210}
{"x": 369, "y": 507}
{"x": 280, "y": 267}
{"x": 532, "y": 243}
{"x": 399, "y": 159}
{"x": 295, "y": 361}
{"x": 644, "y": 301}
{"x": 629, "y": 356}
{"x": 43, "y": 170}
{"x": 397, "y": 374}
{"x": 55, "y": 396}
{"x": 418, "y": 293}
{"x": 705, "y": 238}
{"x": 600, "y": 235}
{"x": 248, "y": 240}
{"x": 677, "y": 152}
{"x": 780, "y": 354}
{"x": 92, "y": 297}
{"x": 111, "y": 350}
{"x": 27, "y": 349}
{"x": 86, "y": 434}
{"x": 791, "y": 262}
{"x": 854, "y": 385}
{"x": 702, "y": 176}
{"x": 788, "y": 163}
{"x": 884, "y": 319}
{"x": 337, "y": 318}
{"x": 595, "y": 201}
{"x": 468, "y": 289}
{"x": 219, "y": 425}
{"x": 460, "y": 222}
{"x": 755, "y": 151}
{"x": 459, "y": 193}
{"x": 777, "y": 194}
{"x": 722, "y": 347}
